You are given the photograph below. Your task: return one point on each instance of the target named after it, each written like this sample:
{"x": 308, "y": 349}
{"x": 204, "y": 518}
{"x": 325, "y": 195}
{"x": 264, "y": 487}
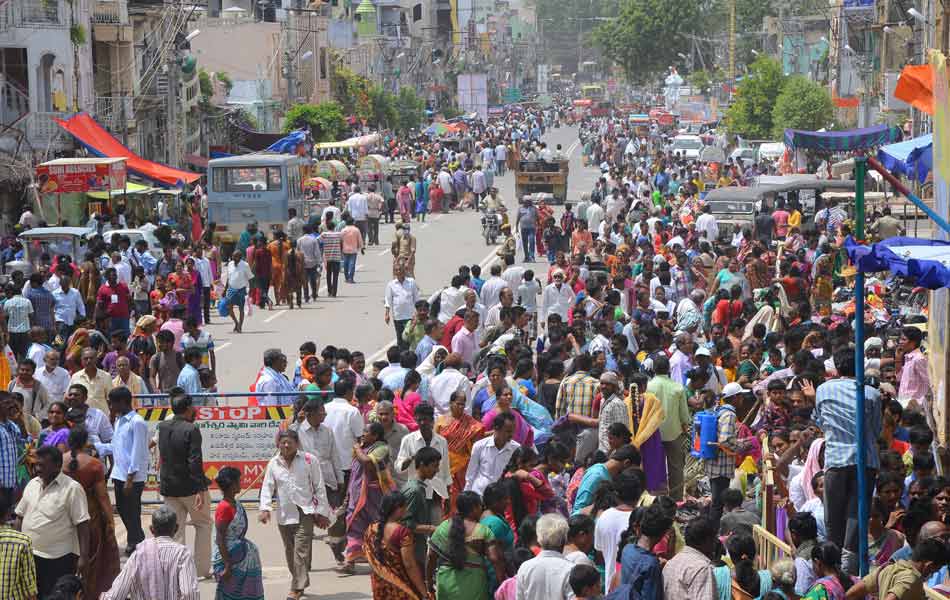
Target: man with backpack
{"x": 721, "y": 466}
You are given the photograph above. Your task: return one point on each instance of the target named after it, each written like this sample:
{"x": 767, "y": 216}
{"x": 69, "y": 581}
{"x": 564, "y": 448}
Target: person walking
{"x": 182, "y": 481}
{"x": 54, "y": 513}
{"x": 351, "y": 239}
{"x": 97, "y": 382}
{"x": 332, "y": 246}
{"x": 91, "y": 475}
{"x": 672, "y": 397}
{"x": 17, "y": 310}
{"x": 375, "y": 206}
{"x": 114, "y": 300}
{"x": 309, "y": 246}
{"x": 399, "y": 300}
{"x": 160, "y": 568}
{"x": 297, "y": 480}
{"x": 527, "y": 222}
{"x": 358, "y": 207}
{"x": 237, "y": 561}
{"x": 129, "y": 450}
{"x": 237, "y": 278}
{"x": 17, "y": 566}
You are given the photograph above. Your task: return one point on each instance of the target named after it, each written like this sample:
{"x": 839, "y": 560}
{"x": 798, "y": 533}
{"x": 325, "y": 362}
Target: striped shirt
{"x": 576, "y": 395}
{"x": 159, "y": 569}
{"x": 18, "y": 310}
{"x": 331, "y": 243}
{"x": 836, "y": 414}
{"x": 723, "y": 465}
{"x": 17, "y": 569}
{"x": 9, "y": 441}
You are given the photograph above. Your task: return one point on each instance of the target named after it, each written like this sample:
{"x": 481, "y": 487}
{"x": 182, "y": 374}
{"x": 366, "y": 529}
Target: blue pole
{"x": 860, "y": 171}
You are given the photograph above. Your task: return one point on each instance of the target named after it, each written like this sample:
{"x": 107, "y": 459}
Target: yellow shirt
{"x": 51, "y": 515}
{"x": 98, "y": 388}
{"x": 795, "y": 219}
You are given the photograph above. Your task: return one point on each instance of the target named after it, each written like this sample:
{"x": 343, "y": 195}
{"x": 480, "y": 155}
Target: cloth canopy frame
{"x": 842, "y": 141}
{"x": 926, "y": 260}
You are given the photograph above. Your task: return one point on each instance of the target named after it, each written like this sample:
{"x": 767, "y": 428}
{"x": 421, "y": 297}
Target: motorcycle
{"x": 491, "y": 226}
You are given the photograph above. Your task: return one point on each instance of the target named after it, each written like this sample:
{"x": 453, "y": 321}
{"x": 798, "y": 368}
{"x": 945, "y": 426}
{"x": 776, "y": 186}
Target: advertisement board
{"x": 938, "y": 324}
{"x": 473, "y": 94}
{"x": 66, "y": 175}
{"x": 244, "y": 437}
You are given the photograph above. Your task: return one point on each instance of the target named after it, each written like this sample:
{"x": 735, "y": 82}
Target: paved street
{"x": 355, "y": 320}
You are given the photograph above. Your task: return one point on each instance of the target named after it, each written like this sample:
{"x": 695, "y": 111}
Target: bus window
{"x": 247, "y": 179}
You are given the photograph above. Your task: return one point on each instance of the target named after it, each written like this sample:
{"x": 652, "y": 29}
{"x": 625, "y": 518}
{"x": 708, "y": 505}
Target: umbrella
{"x": 437, "y": 129}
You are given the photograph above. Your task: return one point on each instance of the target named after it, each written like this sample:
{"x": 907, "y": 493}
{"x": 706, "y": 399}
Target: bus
{"x": 594, "y": 92}
{"x": 253, "y": 187}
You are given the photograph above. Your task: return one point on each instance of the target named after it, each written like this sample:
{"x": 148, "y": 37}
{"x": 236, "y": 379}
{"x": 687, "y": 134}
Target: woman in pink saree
{"x": 524, "y": 435}
{"x": 370, "y": 480}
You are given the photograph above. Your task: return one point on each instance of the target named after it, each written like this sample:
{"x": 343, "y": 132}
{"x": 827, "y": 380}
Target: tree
{"x": 205, "y": 85}
{"x": 352, "y": 92}
{"x": 803, "y": 104}
{"x": 410, "y": 109}
{"x": 383, "y": 108}
{"x": 751, "y": 112}
{"x": 700, "y": 81}
{"x": 645, "y": 37}
{"x": 325, "y": 120}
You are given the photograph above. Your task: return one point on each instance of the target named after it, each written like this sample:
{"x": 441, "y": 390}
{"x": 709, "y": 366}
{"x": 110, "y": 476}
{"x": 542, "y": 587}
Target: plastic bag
{"x": 248, "y": 305}
{"x": 223, "y": 307}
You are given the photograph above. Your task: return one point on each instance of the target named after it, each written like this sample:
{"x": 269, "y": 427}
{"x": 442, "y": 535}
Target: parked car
{"x": 688, "y": 146}
{"x": 134, "y": 235}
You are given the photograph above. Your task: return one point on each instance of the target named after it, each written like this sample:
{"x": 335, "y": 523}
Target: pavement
{"x": 355, "y": 320}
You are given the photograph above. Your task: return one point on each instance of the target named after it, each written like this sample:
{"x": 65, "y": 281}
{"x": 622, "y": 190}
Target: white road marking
{"x": 274, "y": 316}
{"x": 572, "y": 148}
{"x": 222, "y": 347}
{"x": 384, "y": 252}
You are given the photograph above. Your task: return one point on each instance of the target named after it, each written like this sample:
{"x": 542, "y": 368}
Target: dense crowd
{"x": 622, "y": 418}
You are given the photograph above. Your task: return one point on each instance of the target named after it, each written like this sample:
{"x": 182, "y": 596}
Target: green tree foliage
{"x": 352, "y": 92}
{"x": 700, "y": 81}
{"x": 226, "y": 80}
{"x": 751, "y": 112}
{"x": 205, "y": 86}
{"x": 410, "y": 110}
{"x": 325, "y": 120}
{"x": 383, "y": 104}
{"x": 802, "y": 104}
{"x": 565, "y": 23}
{"x": 645, "y": 37}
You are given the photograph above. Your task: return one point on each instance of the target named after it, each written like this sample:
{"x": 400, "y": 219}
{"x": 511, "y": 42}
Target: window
{"x": 247, "y": 179}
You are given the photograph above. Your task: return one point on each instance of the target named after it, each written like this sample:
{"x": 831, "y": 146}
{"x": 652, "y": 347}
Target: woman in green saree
{"x": 460, "y": 550}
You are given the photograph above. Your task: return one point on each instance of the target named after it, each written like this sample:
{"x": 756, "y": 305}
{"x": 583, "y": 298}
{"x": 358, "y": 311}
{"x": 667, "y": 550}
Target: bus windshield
{"x": 247, "y": 179}
{"x": 595, "y": 92}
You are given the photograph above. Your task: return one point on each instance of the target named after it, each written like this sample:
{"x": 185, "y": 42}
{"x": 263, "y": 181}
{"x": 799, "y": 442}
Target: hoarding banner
{"x": 80, "y": 177}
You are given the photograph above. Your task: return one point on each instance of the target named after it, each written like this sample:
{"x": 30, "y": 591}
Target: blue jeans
{"x": 349, "y": 267}
{"x": 527, "y": 243}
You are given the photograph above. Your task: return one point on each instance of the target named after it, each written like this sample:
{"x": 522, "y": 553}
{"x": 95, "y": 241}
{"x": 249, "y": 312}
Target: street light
{"x": 916, "y": 14}
{"x": 306, "y": 55}
{"x": 755, "y": 52}
{"x": 192, "y": 35}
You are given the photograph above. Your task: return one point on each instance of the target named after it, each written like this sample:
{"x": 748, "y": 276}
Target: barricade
{"x": 770, "y": 548}
{"x": 240, "y": 436}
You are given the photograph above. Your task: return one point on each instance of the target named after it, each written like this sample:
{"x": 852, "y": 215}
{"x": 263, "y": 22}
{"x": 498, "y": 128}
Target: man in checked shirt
{"x": 721, "y": 468}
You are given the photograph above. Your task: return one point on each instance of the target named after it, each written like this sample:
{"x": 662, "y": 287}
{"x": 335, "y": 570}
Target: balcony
{"x": 115, "y": 113}
{"x": 43, "y": 131}
{"x": 41, "y": 13}
{"x": 111, "y": 12}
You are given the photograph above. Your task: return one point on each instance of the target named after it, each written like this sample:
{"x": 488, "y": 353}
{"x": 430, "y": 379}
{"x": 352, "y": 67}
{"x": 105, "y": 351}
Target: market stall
{"x": 62, "y": 186}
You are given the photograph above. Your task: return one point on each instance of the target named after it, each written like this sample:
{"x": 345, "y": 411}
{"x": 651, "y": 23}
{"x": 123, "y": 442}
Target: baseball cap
{"x": 872, "y": 343}
{"x": 702, "y": 351}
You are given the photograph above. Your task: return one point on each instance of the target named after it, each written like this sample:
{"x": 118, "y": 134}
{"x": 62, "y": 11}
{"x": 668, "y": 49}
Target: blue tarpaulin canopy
{"x": 926, "y": 260}
{"x": 912, "y": 158}
{"x": 288, "y": 144}
{"x": 842, "y": 141}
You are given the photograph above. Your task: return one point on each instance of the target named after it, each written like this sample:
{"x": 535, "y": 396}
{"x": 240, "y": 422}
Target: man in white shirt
{"x": 400, "y": 299}
{"x": 344, "y": 420}
{"x": 203, "y": 265}
{"x": 595, "y": 215}
{"x": 557, "y": 297}
{"x": 237, "y": 278}
{"x": 490, "y": 455}
{"x": 492, "y": 288}
{"x": 297, "y": 481}
{"x": 488, "y": 157}
{"x": 358, "y": 208}
{"x": 513, "y": 274}
{"x": 548, "y": 575}
{"x": 54, "y": 378}
{"x": 449, "y": 381}
{"x": 706, "y": 224}
{"x": 451, "y": 299}
{"x": 425, "y": 436}
{"x": 501, "y": 157}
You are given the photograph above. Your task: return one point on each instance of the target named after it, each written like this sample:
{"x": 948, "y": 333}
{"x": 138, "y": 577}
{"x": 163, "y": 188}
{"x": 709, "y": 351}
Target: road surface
{"x": 355, "y": 320}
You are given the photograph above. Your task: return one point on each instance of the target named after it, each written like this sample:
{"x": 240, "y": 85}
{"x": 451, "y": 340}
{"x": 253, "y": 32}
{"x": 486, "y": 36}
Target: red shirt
{"x": 116, "y": 300}
{"x": 453, "y": 326}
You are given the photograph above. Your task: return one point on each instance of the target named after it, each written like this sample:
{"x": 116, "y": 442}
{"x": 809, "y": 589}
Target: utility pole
{"x": 732, "y": 44}
{"x": 289, "y": 73}
{"x": 171, "y": 100}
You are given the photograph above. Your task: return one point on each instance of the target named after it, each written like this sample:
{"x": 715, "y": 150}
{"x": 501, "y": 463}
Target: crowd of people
{"x": 601, "y": 422}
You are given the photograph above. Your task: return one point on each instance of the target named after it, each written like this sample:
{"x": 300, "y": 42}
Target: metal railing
{"x": 115, "y": 12}
{"x": 7, "y": 17}
{"x": 110, "y": 111}
{"x": 14, "y": 101}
